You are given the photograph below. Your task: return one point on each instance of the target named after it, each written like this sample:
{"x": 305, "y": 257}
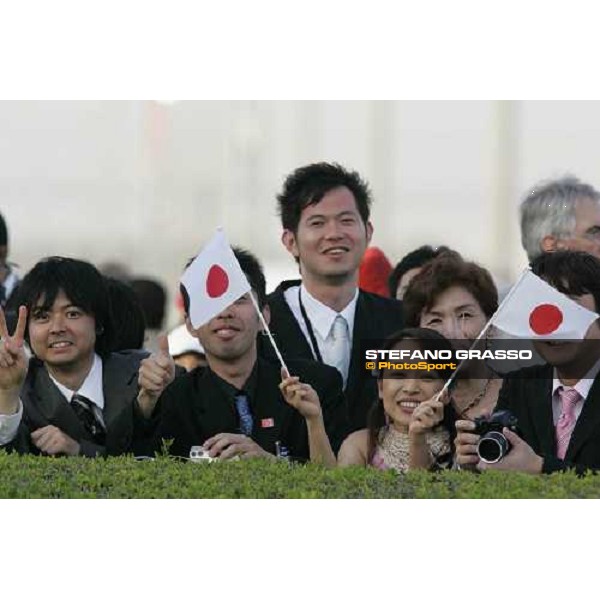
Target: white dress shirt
{"x": 583, "y": 386}
{"x": 90, "y": 388}
{"x": 321, "y": 318}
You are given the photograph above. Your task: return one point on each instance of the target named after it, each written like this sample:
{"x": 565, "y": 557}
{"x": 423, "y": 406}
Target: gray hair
{"x": 548, "y": 208}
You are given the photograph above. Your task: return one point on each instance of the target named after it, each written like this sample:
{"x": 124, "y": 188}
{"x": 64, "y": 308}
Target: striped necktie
{"x": 84, "y": 409}
{"x": 566, "y": 422}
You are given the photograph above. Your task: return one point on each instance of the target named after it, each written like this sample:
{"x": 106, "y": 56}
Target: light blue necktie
{"x": 243, "y": 409}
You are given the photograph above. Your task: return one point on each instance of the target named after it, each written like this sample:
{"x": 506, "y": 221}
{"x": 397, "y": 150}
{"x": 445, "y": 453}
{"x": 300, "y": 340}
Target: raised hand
{"x": 428, "y": 414}
{"x": 13, "y": 360}
{"x": 155, "y": 374}
{"x": 300, "y": 396}
{"x": 466, "y": 444}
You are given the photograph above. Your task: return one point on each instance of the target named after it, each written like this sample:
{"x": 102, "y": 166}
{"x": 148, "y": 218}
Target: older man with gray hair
{"x": 561, "y": 214}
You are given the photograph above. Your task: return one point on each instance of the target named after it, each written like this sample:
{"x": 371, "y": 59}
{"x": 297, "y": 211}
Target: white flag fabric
{"x": 535, "y": 310}
{"x": 214, "y": 280}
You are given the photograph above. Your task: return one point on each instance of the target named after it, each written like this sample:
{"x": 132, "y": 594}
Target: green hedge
{"x": 123, "y": 477}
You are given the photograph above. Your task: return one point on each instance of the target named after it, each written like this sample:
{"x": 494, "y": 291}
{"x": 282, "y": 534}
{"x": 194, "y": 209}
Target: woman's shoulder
{"x": 359, "y": 437}
{"x": 354, "y": 448}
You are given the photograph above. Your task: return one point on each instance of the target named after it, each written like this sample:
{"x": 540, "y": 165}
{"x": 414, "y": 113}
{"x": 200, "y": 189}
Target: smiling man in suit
{"x": 73, "y": 397}
{"x": 324, "y": 212}
{"x": 234, "y": 406}
{"x": 558, "y": 404}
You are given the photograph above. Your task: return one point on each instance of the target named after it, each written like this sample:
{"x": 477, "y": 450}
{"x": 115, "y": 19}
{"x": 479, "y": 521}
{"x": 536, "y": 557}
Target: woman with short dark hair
{"x": 457, "y": 298}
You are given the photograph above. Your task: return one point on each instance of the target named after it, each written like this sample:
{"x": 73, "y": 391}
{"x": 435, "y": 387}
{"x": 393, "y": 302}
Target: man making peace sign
{"x": 75, "y": 397}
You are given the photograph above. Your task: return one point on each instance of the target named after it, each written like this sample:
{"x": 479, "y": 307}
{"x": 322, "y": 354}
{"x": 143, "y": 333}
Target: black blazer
{"x": 528, "y": 394}
{"x": 11, "y": 309}
{"x": 43, "y": 404}
{"x": 195, "y": 407}
{"x": 376, "y": 317}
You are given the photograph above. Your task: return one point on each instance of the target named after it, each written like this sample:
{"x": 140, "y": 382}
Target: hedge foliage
{"x": 123, "y": 477}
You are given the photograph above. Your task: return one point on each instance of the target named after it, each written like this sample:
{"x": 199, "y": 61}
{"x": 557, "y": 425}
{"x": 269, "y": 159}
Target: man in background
{"x": 9, "y": 279}
{"x": 561, "y": 214}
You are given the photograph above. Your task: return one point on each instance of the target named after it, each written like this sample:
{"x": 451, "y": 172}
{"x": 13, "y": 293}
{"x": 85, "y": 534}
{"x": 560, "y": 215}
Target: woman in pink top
{"x": 408, "y": 426}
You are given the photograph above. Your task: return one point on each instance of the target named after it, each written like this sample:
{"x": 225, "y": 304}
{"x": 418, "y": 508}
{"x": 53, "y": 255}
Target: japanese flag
{"x": 534, "y": 309}
{"x": 214, "y": 280}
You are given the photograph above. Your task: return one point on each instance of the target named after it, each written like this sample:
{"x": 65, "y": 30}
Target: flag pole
{"x": 485, "y": 329}
{"x": 266, "y": 326}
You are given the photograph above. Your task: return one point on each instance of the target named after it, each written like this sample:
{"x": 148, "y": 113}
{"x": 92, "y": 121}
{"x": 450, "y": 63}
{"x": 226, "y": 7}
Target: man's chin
{"x": 63, "y": 362}
{"x": 338, "y": 272}
{"x": 557, "y": 357}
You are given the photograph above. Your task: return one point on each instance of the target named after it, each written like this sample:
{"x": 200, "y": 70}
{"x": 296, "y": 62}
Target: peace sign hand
{"x": 13, "y": 360}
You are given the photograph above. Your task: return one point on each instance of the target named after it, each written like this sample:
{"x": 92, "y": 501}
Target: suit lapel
{"x": 588, "y": 423}
{"x": 212, "y": 410}
{"x": 541, "y": 409}
{"x": 360, "y": 332}
{"x": 287, "y": 332}
{"x": 271, "y": 412}
{"x": 53, "y": 406}
{"x": 119, "y": 384}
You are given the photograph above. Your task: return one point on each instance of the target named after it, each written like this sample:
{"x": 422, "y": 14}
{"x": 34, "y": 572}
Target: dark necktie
{"x": 84, "y": 409}
{"x": 243, "y": 410}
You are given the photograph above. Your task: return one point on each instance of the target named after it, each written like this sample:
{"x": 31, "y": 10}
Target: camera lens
{"x": 492, "y": 447}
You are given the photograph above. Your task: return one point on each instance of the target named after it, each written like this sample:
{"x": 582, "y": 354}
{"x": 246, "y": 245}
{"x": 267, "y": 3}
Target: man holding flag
{"x": 557, "y": 405}
{"x": 238, "y": 404}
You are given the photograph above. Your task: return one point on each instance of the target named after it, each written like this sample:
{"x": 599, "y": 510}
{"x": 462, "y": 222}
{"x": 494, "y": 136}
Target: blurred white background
{"x": 145, "y": 183}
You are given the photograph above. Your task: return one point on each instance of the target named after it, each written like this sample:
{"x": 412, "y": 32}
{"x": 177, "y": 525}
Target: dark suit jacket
{"x": 43, "y": 404}
{"x": 11, "y": 309}
{"x": 375, "y": 318}
{"x": 195, "y": 407}
{"x": 528, "y": 394}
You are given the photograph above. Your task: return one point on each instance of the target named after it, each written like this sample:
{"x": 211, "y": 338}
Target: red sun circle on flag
{"x": 545, "y": 319}
{"x": 217, "y": 282}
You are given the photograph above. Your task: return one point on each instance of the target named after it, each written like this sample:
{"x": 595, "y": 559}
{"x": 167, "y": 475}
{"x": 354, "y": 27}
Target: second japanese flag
{"x": 536, "y": 310}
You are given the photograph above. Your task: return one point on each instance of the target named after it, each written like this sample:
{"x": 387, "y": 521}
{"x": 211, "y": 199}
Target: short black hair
{"x": 127, "y": 314}
{"x": 253, "y": 270}
{"x": 571, "y": 272}
{"x": 447, "y": 270}
{"x": 153, "y": 300}
{"x": 413, "y": 260}
{"x": 307, "y": 185}
{"x": 83, "y": 285}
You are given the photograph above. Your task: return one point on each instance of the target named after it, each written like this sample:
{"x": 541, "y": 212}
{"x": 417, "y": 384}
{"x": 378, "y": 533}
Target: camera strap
{"x": 311, "y": 334}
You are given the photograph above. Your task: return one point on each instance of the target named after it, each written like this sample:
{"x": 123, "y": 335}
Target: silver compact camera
{"x": 199, "y": 454}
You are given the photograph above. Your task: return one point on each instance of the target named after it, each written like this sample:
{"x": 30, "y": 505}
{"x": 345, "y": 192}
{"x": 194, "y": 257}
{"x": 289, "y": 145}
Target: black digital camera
{"x": 493, "y": 445}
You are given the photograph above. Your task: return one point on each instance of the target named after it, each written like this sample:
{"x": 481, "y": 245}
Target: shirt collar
{"x": 248, "y": 389}
{"x": 322, "y": 316}
{"x": 583, "y": 386}
{"x": 90, "y": 388}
